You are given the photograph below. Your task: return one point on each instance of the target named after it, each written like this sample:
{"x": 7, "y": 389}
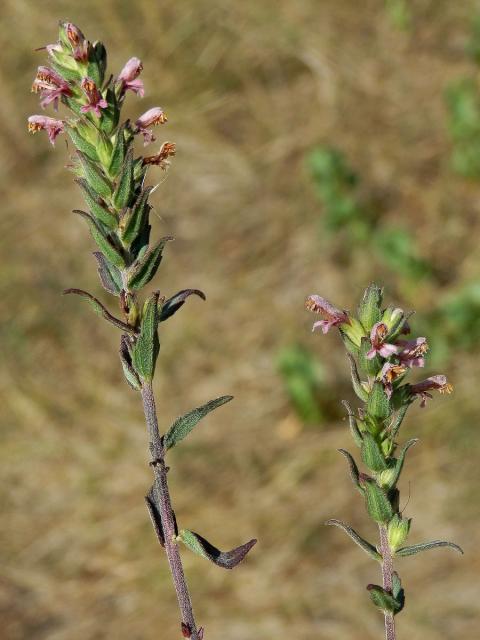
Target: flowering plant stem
{"x": 112, "y": 181}
{"x": 166, "y": 512}
{"x": 380, "y": 360}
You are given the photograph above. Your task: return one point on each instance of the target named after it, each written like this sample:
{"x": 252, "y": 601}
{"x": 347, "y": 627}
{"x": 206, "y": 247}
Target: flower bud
{"x": 387, "y": 477}
{"x": 398, "y": 529}
{"x": 369, "y": 310}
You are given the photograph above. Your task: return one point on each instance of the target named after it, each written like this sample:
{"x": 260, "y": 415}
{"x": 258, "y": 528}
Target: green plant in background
{"x": 112, "y": 182}
{"x": 463, "y": 103}
{"x": 304, "y": 381}
{"x": 399, "y": 13}
{"x": 380, "y": 360}
{"x": 336, "y": 184}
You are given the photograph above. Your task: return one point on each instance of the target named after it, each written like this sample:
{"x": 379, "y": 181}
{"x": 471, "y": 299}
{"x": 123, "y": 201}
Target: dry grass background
{"x": 249, "y": 88}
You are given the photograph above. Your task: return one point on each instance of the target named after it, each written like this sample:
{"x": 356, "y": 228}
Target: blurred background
{"x": 321, "y": 145}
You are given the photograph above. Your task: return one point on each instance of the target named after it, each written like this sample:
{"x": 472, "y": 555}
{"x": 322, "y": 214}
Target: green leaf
{"x": 97, "y": 63}
{"x": 111, "y": 114}
{"x": 147, "y": 346}
{"x": 82, "y": 144}
{"x": 173, "y": 304}
{"x": 119, "y": 150}
{"x": 383, "y": 600}
{"x": 100, "y": 309}
{"x": 378, "y": 404}
{"x": 203, "y": 548}
{"x": 136, "y": 218}
{"x": 401, "y": 460}
{"x": 183, "y": 425}
{"x": 131, "y": 375}
{"x": 124, "y": 191}
{"x": 424, "y": 546}
{"x": 354, "y": 430}
{"x": 377, "y": 503}
{"x": 354, "y": 474}
{"x": 357, "y": 385}
{"x": 372, "y": 455}
{"x": 95, "y": 176}
{"x": 71, "y": 75}
{"x": 369, "y": 310}
{"x": 102, "y": 239}
{"x": 363, "y": 544}
{"x": 398, "y": 419}
{"x": 97, "y": 205}
{"x": 398, "y": 591}
{"x": 110, "y": 276}
{"x": 144, "y": 269}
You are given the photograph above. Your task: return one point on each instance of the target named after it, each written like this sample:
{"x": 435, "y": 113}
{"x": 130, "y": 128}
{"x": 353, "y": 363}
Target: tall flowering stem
{"x": 380, "y": 362}
{"x": 112, "y": 180}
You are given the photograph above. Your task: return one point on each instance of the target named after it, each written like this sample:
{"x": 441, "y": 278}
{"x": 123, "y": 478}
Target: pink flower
{"x": 150, "y": 118}
{"x": 333, "y": 316}
{"x": 438, "y": 383}
{"x": 412, "y": 352}
{"x": 128, "y": 77}
{"x": 378, "y": 335}
{"x": 50, "y": 125}
{"x": 77, "y": 41}
{"x": 95, "y": 99}
{"x": 389, "y": 373}
{"x": 161, "y": 159}
{"x": 51, "y": 87}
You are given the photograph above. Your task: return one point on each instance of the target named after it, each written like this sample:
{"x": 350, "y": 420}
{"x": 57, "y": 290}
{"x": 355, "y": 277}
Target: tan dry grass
{"x": 249, "y": 87}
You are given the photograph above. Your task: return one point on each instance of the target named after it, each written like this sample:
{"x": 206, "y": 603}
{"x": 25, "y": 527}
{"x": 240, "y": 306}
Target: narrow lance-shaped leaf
{"x": 119, "y": 151}
{"x": 81, "y": 144}
{"x": 378, "y": 404}
{"x": 130, "y": 374}
{"x": 356, "y": 383}
{"x": 183, "y": 425}
{"x": 94, "y": 176}
{"x": 354, "y": 430}
{"x": 363, "y": 544}
{"x": 155, "y": 516}
{"x": 372, "y": 455}
{"x": 97, "y": 205}
{"x": 354, "y": 474}
{"x": 173, "y": 304}
{"x": 397, "y": 420}
{"x": 401, "y": 460}
{"x": 135, "y": 219}
{"x": 145, "y": 269}
{"x": 398, "y": 591}
{"x": 103, "y": 241}
{"x": 377, "y": 503}
{"x": 203, "y": 548}
{"x": 424, "y": 546}
{"x": 110, "y": 276}
{"x": 147, "y": 346}
{"x": 369, "y": 309}
{"x": 100, "y": 309}
{"x": 123, "y": 192}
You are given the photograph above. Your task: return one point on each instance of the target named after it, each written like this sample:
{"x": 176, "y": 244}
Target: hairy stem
{"x": 164, "y": 505}
{"x": 387, "y": 576}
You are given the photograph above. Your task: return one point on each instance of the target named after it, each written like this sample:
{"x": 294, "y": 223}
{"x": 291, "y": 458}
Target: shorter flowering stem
{"x": 162, "y": 495}
{"x": 387, "y": 576}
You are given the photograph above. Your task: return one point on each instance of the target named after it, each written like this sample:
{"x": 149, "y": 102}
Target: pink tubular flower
{"x": 50, "y": 125}
{"x": 77, "y": 41}
{"x": 161, "y": 159}
{"x": 333, "y": 316}
{"x": 128, "y": 77}
{"x": 150, "y": 118}
{"x": 412, "y": 352}
{"x": 95, "y": 99}
{"x": 51, "y": 87}
{"x": 438, "y": 383}
{"x": 378, "y": 335}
